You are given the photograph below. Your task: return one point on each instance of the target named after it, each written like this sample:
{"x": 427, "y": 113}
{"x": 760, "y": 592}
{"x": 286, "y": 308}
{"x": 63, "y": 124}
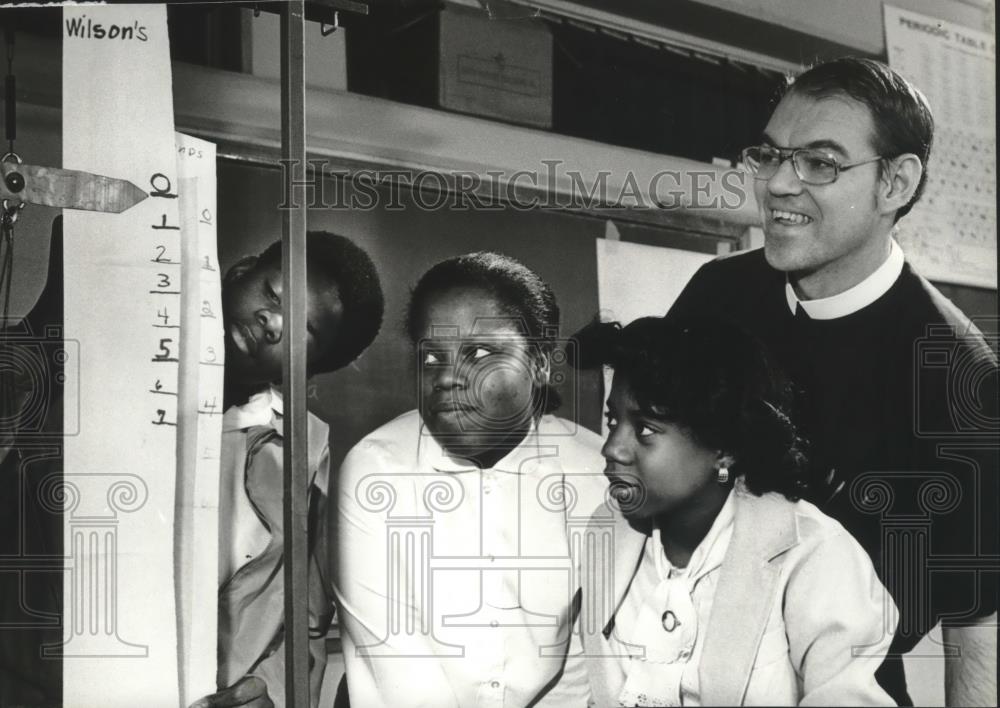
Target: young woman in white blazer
{"x": 706, "y": 579}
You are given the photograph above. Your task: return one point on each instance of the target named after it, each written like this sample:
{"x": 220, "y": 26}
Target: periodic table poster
{"x": 951, "y": 234}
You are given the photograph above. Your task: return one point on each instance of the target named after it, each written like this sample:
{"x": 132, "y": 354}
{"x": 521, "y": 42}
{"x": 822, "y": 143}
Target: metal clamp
{"x": 9, "y": 211}
{"x": 13, "y": 180}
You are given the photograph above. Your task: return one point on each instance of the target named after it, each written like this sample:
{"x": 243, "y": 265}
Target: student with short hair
{"x": 454, "y": 579}
{"x": 344, "y": 313}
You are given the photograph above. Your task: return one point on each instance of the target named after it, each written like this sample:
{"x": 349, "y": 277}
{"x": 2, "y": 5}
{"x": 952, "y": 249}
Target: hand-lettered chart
{"x": 123, "y": 284}
{"x": 199, "y": 418}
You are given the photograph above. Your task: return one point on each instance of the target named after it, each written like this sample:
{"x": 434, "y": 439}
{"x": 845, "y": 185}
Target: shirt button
{"x": 494, "y": 624}
{"x": 494, "y": 684}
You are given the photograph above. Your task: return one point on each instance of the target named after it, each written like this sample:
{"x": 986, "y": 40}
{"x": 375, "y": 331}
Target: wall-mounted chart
{"x": 143, "y": 307}
{"x": 951, "y": 234}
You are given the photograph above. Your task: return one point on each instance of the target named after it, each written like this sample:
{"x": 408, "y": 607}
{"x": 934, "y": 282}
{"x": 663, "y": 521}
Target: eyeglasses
{"x": 811, "y": 166}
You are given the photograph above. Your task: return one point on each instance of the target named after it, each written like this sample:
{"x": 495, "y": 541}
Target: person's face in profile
{"x": 821, "y": 227}
{"x": 477, "y": 372}
{"x": 252, "y": 296}
{"x": 654, "y": 466}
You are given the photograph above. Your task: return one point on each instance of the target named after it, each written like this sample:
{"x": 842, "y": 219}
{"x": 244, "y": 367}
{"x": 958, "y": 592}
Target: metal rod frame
{"x": 293, "y": 278}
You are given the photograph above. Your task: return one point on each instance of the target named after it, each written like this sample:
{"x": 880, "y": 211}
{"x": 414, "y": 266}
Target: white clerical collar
{"x": 853, "y": 299}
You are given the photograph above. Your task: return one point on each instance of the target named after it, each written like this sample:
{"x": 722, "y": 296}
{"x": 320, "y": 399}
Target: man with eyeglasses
{"x": 896, "y": 389}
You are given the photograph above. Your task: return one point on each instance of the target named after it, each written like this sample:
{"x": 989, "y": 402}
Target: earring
{"x": 723, "y": 475}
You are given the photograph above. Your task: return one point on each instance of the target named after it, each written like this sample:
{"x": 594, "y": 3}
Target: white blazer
{"x": 799, "y": 616}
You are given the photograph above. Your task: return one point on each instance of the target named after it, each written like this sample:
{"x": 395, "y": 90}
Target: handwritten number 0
{"x": 157, "y": 182}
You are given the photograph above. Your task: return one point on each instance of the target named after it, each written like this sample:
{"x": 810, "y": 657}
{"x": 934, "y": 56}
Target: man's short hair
{"x": 900, "y": 112}
{"x": 358, "y": 287}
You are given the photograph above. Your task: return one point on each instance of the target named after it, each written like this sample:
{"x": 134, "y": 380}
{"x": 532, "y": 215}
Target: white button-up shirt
{"x": 455, "y": 584}
{"x": 244, "y": 536}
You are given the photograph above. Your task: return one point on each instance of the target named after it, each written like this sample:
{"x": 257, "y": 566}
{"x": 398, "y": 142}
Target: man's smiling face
{"x": 826, "y": 233}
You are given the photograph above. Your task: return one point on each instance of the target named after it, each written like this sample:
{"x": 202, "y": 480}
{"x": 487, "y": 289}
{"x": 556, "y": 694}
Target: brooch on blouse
{"x": 669, "y": 621}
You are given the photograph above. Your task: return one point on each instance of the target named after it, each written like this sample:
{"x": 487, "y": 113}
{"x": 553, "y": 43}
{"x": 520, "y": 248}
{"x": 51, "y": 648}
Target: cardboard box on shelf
{"x": 495, "y": 68}
{"x": 458, "y": 59}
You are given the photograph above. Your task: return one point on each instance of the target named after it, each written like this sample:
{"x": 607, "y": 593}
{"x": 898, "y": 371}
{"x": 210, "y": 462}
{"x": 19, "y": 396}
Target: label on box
{"x": 496, "y": 68}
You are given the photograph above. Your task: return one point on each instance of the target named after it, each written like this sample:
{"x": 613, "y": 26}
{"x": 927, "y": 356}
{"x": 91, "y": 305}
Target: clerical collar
{"x": 853, "y": 299}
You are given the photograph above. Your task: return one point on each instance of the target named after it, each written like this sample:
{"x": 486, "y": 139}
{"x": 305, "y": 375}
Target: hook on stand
{"x": 326, "y": 29}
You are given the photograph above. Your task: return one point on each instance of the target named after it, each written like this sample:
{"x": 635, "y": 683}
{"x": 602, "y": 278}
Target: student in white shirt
{"x": 454, "y": 578}
{"x": 720, "y": 586}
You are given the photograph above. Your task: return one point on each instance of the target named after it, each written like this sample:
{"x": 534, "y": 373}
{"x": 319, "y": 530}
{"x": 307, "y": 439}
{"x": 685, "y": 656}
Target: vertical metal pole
{"x": 293, "y": 260}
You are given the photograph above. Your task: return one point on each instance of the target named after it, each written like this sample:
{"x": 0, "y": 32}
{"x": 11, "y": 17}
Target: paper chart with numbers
{"x": 199, "y": 429}
{"x": 951, "y": 234}
{"x": 122, "y": 306}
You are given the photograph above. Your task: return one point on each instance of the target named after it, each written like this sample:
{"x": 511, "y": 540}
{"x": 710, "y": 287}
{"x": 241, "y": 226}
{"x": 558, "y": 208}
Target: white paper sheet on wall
{"x": 635, "y": 280}
{"x": 123, "y": 307}
{"x": 199, "y": 431}
{"x": 951, "y": 234}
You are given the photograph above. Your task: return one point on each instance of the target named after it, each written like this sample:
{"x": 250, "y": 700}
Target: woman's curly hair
{"x": 714, "y": 381}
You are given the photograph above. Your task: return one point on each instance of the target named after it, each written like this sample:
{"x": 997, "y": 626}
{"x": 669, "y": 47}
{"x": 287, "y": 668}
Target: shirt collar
{"x": 431, "y": 453}
{"x": 261, "y": 409}
{"x": 853, "y": 299}
{"x": 709, "y": 553}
